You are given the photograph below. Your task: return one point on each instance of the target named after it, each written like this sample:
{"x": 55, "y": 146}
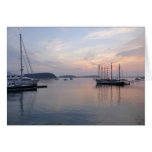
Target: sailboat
{"x": 107, "y": 81}
{"x": 18, "y": 82}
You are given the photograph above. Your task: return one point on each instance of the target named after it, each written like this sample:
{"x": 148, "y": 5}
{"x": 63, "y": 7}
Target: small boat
{"x": 142, "y": 78}
{"x": 137, "y": 79}
{"x": 71, "y": 78}
{"x": 125, "y": 81}
{"x": 65, "y": 79}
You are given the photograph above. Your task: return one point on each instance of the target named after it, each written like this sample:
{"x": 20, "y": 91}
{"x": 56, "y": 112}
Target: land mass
{"x": 41, "y": 75}
{"x": 67, "y": 76}
{"x": 87, "y": 76}
{"x": 73, "y": 76}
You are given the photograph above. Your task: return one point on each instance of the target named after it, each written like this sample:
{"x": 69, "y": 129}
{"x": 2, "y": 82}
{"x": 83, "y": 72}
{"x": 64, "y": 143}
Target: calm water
{"x": 78, "y": 102}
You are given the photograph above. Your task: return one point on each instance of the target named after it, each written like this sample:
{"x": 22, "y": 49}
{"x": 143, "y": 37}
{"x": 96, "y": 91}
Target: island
{"x": 41, "y": 75}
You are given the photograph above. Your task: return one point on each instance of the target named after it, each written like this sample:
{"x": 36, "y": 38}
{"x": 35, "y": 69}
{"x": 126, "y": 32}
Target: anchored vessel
{"x": 19, "y": 82}
{"x": 107, "y": 81}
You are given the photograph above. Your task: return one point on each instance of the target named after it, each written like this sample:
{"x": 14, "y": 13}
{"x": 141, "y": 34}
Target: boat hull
{"x": 21, "y": 88}
{"x": 32, "y": 82}
{"x": 110, "y": 82}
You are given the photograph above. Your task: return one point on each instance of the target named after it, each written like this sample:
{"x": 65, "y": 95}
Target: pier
{"x": 25, "y": 88}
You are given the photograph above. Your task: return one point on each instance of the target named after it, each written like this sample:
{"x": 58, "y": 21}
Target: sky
{"x": 78, "y": 50}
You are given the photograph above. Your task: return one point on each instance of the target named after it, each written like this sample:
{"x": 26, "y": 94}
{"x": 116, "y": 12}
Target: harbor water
{"x": 78, "y": 102}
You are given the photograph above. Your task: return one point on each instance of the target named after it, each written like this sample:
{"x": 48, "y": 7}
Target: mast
{"x": 104, "y": 71}
{"x": 21, "y": 58}
{"x": 101, "y": 71}
{"x": 107, "y": 72}
{"x": 111, "y": 71}
{"x": 119, "y": 72}
{"x": 98, "y": 70}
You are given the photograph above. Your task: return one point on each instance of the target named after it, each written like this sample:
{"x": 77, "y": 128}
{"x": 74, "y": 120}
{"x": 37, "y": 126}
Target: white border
{"x": 74, "y": 13}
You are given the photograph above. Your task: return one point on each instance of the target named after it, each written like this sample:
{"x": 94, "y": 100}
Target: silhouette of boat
{"x": 107, "y": 81}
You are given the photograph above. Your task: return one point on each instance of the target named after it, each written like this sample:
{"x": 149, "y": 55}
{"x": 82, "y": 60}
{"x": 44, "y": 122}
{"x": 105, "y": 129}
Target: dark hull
{"x": 21, "y": 88}
{"x": 109, "y": 82}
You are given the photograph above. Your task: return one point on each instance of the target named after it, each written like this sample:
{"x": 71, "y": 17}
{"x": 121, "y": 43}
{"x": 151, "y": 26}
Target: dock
{"x": 25, "y": 88}
{"x": 42, "y": 86}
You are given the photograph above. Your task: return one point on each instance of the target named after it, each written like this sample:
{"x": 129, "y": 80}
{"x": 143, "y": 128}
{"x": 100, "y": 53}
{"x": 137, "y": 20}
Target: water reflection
{"x": 23, "y": 103}
{"x": 78, "y": 102}
{"x": 109, "y": 94}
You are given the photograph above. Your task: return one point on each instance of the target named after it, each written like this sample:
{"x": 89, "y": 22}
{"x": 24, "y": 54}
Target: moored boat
{"x": 16, "y": 82}
{"x": 137, "y": 78}
{"x": 110, "y": 82}
{"x": 107, "y": 81}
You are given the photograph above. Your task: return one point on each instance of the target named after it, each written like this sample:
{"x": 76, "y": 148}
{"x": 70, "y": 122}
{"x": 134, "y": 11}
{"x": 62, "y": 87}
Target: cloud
{"x": 135, "y": 47}
{"x": 137, "y": 41}
{"x": 109, "y": 32}
{"x": 133, "y": 52}
{"x": 53, "y": 45}
{"x": 51, "y": 50}
{"x": 78, "y": 55}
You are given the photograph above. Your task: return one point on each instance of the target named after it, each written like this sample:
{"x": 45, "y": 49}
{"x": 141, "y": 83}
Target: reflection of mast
{"x": 25, "y": 111}
{"x": 111, "y": 94}
{"x": 119, "y": 95}
{"x": 21, "y": 103}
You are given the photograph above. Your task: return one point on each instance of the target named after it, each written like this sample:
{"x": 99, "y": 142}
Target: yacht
{"x": 14, "y": 80}
{"x": 20, "y": 81}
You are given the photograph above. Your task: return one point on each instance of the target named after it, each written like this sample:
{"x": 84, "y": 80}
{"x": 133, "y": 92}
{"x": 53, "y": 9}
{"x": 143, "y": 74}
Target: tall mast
{"x": 111, "y": 71}
{"x": 104, "y": 71}
{"x": 98, "y": 70}
{"x": 21, "y": 58}
{"x": 119, "y": 72}
{"x": 101, "y": 71}
{"x": 107, "y": 72}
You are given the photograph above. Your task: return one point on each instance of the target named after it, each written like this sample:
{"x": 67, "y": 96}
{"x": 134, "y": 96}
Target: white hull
{"x": 15, "y": 81}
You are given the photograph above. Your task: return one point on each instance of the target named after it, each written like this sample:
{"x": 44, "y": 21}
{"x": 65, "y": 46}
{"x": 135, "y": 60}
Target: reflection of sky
{"x": 78, "y": 101}
{"x": 78, "y": 51}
